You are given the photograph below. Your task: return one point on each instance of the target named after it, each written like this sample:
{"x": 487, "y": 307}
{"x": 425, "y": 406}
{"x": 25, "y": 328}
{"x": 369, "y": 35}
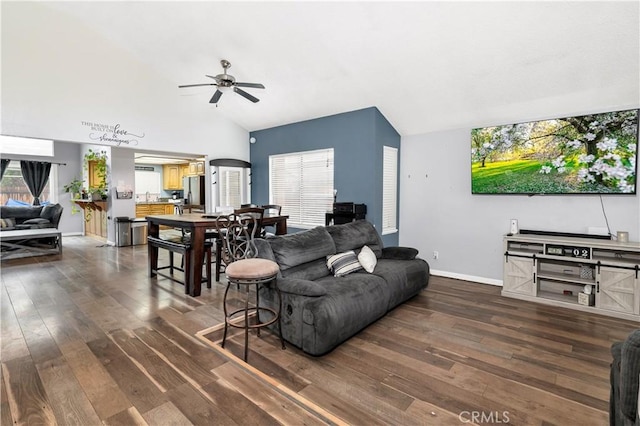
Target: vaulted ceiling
{"x": 427, "y": 66}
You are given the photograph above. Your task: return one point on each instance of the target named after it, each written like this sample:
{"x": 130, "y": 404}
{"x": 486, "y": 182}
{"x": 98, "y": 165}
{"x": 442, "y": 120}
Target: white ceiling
{"x": 427, "y": 66}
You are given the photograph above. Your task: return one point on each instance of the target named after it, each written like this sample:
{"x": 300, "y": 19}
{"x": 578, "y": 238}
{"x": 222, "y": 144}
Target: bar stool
{"x": 245, "y": 270}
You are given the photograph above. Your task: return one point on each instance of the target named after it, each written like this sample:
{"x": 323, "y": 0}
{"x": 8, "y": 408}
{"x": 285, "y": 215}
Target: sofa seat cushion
{"x": 355, "y": 235}
{"x": 405, "y": 278}
{"x": 352, "y": 302}
{"x": 38, "y": 223}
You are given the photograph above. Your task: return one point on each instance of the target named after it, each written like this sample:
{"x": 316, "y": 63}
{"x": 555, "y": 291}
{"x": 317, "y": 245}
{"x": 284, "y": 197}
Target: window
{"x": 389, "y": 190}
{"x": 25, "y": 146}
{"x": 302, "y": 183}
{"x": 231, "y": 186}
{"x": 13, "y": 187}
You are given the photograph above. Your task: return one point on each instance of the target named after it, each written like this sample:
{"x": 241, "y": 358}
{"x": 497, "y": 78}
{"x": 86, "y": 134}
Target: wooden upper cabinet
{"x": 172, "y": 176}
{"x": 196, "y": 168}
{"x": 94, "y": 177}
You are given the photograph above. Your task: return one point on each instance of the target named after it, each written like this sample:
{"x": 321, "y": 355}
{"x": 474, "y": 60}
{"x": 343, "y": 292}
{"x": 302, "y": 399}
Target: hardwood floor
{"x": 88, "y": 338}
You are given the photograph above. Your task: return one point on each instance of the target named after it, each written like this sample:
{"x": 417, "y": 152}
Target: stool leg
{"x": 275, "y": 282}
{"x": 208, "y": 267}
{"x": 226, "y": 316}
{"x": 246, "y": 324}
{"x": 258, "y": 309}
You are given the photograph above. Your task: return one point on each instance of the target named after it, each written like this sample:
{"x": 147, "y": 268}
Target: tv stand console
{"x": 591, "y": 275}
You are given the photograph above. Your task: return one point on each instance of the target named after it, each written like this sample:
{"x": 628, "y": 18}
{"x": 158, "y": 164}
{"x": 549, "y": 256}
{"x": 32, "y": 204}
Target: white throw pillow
{"x": 342, "y": 264}
{"x": 367, "y": 259}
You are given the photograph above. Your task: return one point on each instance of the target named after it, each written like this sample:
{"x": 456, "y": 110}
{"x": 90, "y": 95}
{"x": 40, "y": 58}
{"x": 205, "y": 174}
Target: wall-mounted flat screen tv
{"x": 588, "y": 154}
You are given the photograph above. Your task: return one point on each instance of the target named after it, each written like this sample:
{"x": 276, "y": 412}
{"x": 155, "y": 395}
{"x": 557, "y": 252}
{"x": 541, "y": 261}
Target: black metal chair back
{"x": 237, "y": 232}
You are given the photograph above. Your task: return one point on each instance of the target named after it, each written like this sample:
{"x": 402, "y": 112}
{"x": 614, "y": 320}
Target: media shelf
{"x": 593, "y": 275}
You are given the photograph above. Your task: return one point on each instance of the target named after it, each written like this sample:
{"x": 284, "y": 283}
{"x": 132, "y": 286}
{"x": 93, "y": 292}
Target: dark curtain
{"x": 36, "y": 176}
{"x": 4, "y": 163}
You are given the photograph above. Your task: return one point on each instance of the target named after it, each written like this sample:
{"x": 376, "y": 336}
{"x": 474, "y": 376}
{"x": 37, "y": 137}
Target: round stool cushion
{"x": 252, "y": 269}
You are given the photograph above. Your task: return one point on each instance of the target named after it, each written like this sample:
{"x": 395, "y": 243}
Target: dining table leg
{"x": 281, "y": 227}
{"x": 152, "y": 250}
{"x": 197, "y": 259}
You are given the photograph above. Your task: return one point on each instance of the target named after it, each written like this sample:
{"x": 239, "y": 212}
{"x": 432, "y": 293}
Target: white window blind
{"x": 302, "y": 183}
{"x": 389, "y": 190}
{"x": 230, "y": 187}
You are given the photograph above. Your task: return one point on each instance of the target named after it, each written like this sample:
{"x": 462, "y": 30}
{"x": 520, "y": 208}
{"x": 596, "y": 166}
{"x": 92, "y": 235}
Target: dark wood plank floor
{"x": 88, "y": 338}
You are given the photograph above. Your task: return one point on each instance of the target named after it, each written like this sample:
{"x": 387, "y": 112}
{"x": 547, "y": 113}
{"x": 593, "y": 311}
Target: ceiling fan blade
{"x": 215, "y": 97}
{"x": 195, "y": 85}
{"x": 254, "y": 85}
{"x": 213, "y": 77}
{"x": 246, "y": 95}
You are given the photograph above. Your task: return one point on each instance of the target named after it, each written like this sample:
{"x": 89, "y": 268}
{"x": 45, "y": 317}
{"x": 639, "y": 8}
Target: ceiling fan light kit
{"x": 225, "y": 83}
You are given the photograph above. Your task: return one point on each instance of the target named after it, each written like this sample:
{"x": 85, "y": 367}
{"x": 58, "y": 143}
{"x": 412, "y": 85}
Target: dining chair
{"x": 272, "y": 210}
{"x": 244, "y": 269}
{"x": 255, "y": 212}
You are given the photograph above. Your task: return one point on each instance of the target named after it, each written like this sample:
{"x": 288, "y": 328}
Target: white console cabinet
{"x": 559, "y": 271}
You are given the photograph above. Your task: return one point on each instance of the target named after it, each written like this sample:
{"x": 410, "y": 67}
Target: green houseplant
{"x": 75, "y": 188}
{"x": 95, "y": 163}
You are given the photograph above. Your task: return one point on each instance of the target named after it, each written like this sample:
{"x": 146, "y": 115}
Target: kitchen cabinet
{"x": 196, "y": 168}
{"x": 146, "y": 209}
{"x": 172, "y": 176}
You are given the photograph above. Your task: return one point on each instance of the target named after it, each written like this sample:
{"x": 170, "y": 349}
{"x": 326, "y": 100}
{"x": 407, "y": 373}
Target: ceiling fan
{"x": 225, "y": 82}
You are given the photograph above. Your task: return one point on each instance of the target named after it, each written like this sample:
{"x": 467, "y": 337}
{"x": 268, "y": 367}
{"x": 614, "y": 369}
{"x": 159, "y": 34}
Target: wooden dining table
{"x": 197, "y": 224}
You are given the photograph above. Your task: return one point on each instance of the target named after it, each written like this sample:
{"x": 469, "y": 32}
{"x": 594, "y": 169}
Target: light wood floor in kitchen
{"x": 88, "y": 338}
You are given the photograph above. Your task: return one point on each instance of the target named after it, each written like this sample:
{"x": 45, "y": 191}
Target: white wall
{"x": 50, "y": 87}
{"x": 122, "y": 171}
{"x": 438, "y": 212}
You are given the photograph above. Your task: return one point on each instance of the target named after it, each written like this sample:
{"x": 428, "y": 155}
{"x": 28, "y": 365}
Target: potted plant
{"x": 95, "y": 163}
{"x": 75, "y": 189}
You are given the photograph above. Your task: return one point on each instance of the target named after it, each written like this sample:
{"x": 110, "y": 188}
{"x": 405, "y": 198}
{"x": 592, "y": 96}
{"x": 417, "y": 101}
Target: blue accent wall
{"x": 357, "y": 138}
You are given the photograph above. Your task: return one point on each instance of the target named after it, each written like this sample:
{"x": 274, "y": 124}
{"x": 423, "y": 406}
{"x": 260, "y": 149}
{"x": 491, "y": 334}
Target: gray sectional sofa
{"x": 30, "y": 217}
{"x": 319, "y": 310}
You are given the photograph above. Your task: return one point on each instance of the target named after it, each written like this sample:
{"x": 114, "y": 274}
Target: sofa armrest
{"x": 301, "y": 287}
{"x": 629, "y": 375}
{"x": 399, "y": 253}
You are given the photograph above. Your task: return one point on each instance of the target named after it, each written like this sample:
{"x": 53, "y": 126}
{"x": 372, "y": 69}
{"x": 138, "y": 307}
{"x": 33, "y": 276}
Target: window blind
{"x": 302, "y": 183}
{"x": 230, "y": 190}
{"x": 389, "y": 190}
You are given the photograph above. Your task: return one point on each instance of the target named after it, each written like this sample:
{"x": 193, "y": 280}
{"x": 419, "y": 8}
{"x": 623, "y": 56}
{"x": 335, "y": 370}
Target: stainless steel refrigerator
{"x": 194, "y": 189}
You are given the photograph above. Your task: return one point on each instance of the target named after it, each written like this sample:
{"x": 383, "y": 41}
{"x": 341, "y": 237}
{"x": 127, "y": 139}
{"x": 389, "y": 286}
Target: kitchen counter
{"x": 160, "y": 202}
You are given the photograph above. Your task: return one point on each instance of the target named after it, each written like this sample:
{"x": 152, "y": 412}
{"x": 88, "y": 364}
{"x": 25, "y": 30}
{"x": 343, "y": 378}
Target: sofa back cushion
{"x": 303, "y": 255}
{"x": 20, "y": 213}
{"x": 354, "y": 235}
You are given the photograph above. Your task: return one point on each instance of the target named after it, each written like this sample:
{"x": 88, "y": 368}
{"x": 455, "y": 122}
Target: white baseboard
{"x": 72, "y": 234}
{"x": 457, "y": 276}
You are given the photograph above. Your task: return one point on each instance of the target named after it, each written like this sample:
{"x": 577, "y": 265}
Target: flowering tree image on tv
{"x": 594, "y": 153}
